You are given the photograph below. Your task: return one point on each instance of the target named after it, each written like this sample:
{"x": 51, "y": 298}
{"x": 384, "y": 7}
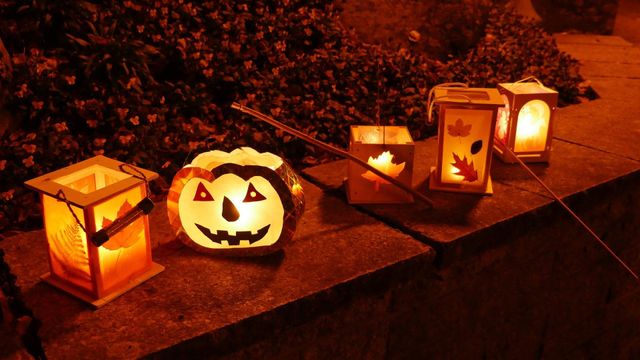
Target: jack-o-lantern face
{"x": 235, "y": 208}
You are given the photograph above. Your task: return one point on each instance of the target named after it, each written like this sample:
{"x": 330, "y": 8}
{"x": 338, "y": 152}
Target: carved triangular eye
{"x": 202, "y": 194}
{"x": 253, "y": 194}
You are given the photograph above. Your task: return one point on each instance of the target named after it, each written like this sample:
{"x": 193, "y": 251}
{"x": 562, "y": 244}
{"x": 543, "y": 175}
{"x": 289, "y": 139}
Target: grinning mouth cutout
{"x": 221, "y": 235}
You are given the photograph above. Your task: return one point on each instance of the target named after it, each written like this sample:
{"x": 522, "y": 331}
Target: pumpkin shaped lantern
{"x": 238, "y": 203}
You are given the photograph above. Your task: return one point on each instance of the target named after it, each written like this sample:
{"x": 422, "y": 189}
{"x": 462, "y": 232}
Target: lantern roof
{"x": 91, "y": 181}
{"x": 527, "y": 88}
{"x": 474, "y": 96}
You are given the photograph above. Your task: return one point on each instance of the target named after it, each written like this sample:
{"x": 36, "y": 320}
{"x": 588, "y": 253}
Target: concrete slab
{"x": 590, "y": 39}
{"x": 336, "y": 247}
{"x": 594, "y": 70}
{"x": 604, "y": 53}
{"x": 609, "y": 124}
{"x": 457, "y": 220}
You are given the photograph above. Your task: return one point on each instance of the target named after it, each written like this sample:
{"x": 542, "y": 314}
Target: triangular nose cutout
{"x": 229, "y": 211}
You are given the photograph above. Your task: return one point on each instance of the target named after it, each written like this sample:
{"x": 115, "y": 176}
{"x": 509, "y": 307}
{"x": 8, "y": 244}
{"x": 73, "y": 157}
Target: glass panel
{"x": 465, "y": 145}
{"x": 125, "y": 254}
{"x": 382, "y": 134}
{"x": 67, "y": 243}
{"x": 502, "y": 123}
{"x": 533, "y": 126}
{"x": 92, "y": 178}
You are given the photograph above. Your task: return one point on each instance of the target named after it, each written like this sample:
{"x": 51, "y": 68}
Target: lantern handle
{"x": 141, "y": 176}
{"x": 529, "y": 78}
{"x": 61, "y": 196}
{"x": 431, "y": 99}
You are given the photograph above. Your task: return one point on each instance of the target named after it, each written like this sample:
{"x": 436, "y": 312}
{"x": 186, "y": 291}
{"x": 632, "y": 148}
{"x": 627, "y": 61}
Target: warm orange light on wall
{"x": 238, "y": 203}
{"x": 525, "y": 125}
{"x": 99, "y": 191}
{"x": 467, "y": 118}
{"x": 389, "y": 149}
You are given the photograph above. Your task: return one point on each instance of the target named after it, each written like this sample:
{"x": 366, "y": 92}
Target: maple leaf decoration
{"x": 127, "y": 236}
{"x": 465, "y": 169}
{"x": 384, "y": 163}
{"x": 459, "y": 129}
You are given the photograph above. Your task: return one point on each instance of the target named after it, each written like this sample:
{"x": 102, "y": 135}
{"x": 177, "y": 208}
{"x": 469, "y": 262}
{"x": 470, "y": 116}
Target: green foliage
{"x": 150, "y": 82}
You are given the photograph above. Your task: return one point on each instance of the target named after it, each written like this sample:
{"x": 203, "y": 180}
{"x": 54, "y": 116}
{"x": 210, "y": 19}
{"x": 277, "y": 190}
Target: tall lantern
{"x": 525, "y": 124}
{"x": 95, "y": 219}
{"x": 389, "y": 149}
{"x": 467, "y": 118}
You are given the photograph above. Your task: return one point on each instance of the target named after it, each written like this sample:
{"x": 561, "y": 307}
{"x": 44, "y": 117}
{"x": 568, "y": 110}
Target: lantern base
{"x": 435, "y": 185}
{"x": 97, "y": 303}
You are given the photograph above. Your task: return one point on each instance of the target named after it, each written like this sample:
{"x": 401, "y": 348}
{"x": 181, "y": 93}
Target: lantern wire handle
{"x": 527, "y": 79}
{"x": 431, "y": 99}
{"x": 60, "y": 195}
{"x": 576, "y": 217}
{"x": 140, "y": 176}
{"x": 330, "y": 149}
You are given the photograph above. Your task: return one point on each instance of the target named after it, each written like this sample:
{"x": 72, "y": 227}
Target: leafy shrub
{"x": 150, "y": 82}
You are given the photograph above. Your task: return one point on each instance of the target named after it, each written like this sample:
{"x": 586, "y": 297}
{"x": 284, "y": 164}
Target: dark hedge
{"x": 150, "y": 82}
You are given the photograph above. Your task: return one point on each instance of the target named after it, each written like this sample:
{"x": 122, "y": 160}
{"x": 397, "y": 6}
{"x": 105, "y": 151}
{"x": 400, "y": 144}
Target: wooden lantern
{"x": 389, "y": 149}
{"x": 97, "y": 229}
{"x": 238, "y": 203}
{"x": 467, "y": 118}
{"x": 525, "y": 124}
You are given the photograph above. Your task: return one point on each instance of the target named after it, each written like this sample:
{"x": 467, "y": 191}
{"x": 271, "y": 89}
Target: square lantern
{"x": 101, "y": 192}
{"x": 389, "y": 149}
{"x": 467, "y": 118}
{"x": 525, "y": 124}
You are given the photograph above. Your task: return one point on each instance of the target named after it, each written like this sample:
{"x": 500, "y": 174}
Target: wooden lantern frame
{"x": 84, "y": 206}
{"x": 403, "y": 151}
{"x": 519, "y": 94}
{"x": 461, "y": 97}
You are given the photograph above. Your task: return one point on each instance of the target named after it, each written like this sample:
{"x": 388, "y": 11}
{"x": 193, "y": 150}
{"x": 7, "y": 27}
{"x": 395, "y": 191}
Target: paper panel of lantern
{"x": 99, "y": 191}
{"x": 466, "y": 124}
{"x": 526, "y": 122}
{"x": 389, "y": 149}
{"x": 238, "y": 203}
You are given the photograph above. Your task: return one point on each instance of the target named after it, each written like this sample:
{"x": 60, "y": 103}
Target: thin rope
{"x": 330, "y": 149}
{"x": 62, "y": 196}
{"x": 576, "y": 217}
{"x": 431, "y": 100}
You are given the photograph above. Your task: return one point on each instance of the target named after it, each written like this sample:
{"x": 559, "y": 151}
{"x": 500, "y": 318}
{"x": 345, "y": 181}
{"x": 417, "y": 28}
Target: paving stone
{"x": 610, "y": 124}
{"x": 593, "y": 70}
{"x": 604, "y": 53}
{"x": 572, "y": 169}
{"x": 198, "y": 295}
{"x": 588, "y": 39}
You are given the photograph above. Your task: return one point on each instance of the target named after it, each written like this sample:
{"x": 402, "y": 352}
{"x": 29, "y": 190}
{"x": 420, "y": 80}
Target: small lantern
{"x": 389, "y": 149}
{"x": 525, "y": 123}
{"x": 97, "y": 229}
{"x": 467, "y": 118}
{"x": 238, "y": 203}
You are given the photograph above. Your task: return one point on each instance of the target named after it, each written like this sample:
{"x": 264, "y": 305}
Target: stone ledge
{"x": 337, "y": 252}
{"x": 458, "y": 220}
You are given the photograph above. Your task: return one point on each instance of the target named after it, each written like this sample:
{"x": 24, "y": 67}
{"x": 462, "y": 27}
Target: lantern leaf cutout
{"x": 459, "y": 129}
{"x": 238, "y": 203}
{"x": 465, "y": 169}
{"x": 384, "y": 163}
{"x": 68, "y": 251}
{"x": 128, "y": 236}
{"x": 476, "y": 147}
